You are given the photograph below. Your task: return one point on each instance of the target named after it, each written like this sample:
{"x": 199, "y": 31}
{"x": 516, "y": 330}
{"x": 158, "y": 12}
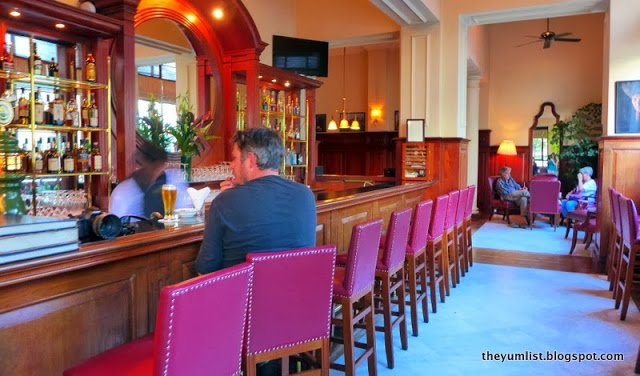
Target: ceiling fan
{"x": 549, "y": 36}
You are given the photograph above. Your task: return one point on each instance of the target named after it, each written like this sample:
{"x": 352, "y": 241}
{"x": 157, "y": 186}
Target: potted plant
{"x": 152, "y": 126}
{"x": 576, "y": 141}
{"x": 190, "y": 133}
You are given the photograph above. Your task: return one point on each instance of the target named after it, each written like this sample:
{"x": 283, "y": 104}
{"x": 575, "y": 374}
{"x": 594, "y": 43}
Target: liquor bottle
{"x": 96, "y": 158}
{"x": 90, "y": 68}
{"x": 53, "y": 68}
{"x": 71, "y": 114}
{"x": 68, "y": 161}
{"x": 36, "y": 61}
{"x": 39, "y": 108}
{"x": 53, "y": 158}
{"x": 7, "y": 58}
{"x": 93, "y": 114}
{"x": 26, "y": 157}
{"x": 38, "y": 162}
{"x": 83, "y": 158}
{"x": 57, "y": 109}
{"x": 84, "y": 111}
{"x": 23, "y": 108}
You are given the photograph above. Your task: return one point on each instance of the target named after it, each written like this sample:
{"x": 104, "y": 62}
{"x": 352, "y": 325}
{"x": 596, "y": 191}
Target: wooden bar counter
{"x": 59, "y": 310}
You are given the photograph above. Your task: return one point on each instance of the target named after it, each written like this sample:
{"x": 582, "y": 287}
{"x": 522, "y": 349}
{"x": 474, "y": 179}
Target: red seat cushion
{"x": 132, "y": 358}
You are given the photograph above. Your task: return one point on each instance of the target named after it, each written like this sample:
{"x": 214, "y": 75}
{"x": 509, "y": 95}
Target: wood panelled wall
{"x": 489, "y": 164}
{"x": 356, "y": 153}
{"x": 618, "y": 167}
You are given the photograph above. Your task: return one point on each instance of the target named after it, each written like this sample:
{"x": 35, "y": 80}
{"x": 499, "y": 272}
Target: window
{"x": 541, "y": 146}
{"x": 162, "y": 71}
{"x": 21, "y": 48}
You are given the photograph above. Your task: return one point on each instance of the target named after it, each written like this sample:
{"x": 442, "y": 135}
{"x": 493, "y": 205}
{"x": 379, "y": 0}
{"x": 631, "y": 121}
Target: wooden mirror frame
{"x": 532, "y": 129}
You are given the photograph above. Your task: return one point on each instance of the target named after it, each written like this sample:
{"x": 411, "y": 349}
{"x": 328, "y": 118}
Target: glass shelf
{"x": 65, "y": 174}
{"x": 13, "y": 75}
{"x": 62, "y": 83}
{"x": 57, "y": 128}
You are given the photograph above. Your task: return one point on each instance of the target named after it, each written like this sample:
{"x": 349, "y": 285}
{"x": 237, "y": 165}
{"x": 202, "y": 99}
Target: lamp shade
{"x": 333, "y": 126}
{"x": 355, "y": 125}
{"x": 344, "y": 123}
{"x": 507, "y": 147}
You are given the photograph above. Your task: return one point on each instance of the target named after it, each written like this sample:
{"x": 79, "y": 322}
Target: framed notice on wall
{"x": 415, "y": 130}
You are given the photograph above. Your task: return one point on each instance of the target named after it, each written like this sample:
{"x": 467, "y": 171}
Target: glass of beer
{"x": 169, "y": 193}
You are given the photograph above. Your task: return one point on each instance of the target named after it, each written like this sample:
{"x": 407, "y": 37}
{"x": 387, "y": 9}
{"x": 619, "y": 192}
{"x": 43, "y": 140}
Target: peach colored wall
{"x": 272, "y": 17}
{"x": 522, "y": 78}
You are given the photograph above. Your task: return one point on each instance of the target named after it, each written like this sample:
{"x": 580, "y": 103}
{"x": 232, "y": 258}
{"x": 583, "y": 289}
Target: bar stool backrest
{"x": 470, "y": 196}
{"x": 397, "y": 236}
{"x": 290, "y": 300}
{"x": 462, "y": 205}
{"x": 436, "y": 227}
{"x": 420, "y": 226}
{"x": 614, "y": 198}
{"x": 200, "y": 324}
{"x": 452, "y": 207}
{"x": 362, "y": 256}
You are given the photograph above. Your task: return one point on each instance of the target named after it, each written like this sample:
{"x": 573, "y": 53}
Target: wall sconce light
{"x": 376, "y": 114}
{"x": 507, "y": 147}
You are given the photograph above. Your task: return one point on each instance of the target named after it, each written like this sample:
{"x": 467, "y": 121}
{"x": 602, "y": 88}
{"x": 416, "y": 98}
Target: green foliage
{"x": 190, "y": 132}
{"x": 153, "y": 128}
{"x": 576, "y": 141}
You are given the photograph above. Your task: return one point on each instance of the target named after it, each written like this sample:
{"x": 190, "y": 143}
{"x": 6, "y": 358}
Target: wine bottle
{"x": 96, "y": 158}
{"x": 90, "y": 68}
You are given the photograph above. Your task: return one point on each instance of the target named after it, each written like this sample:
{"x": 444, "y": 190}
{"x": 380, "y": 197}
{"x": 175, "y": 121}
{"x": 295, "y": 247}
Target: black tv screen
{"x": 303, "y": 56}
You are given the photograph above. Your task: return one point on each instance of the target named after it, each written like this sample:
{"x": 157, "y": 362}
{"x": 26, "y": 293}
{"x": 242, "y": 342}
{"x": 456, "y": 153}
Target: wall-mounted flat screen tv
{"x": 303, "y": 56}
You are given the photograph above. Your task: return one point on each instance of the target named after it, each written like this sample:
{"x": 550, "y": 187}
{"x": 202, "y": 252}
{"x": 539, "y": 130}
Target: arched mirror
{"x": 539, "y": 139}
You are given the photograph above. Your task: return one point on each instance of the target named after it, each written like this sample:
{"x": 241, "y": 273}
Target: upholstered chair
{"x": 615, "y": 242}
{"x": 450, "y": 252}
{"x": 390, "y": 277}
{"x": 416, "y": 263}
{"x": 544, "y": 200}
{"x": 199, "y": 331}
{"x": 353, "y": 293}
{"x": 436, "y": 251}
{"x": 468, "y": 252}
{"x": 461, "y": 239}
{"x": 290, "y": 306}
{"x": 628, "y": 255}
{"x": 497, "y": 204}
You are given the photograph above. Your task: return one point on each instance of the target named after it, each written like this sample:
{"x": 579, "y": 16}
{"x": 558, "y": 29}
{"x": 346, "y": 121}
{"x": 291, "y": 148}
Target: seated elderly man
{"x": 585, "y": 190}
{"x": 508, "y": 189}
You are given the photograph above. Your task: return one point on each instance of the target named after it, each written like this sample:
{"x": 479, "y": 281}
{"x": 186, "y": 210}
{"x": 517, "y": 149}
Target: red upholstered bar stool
{"x": 468, "y": 252}
{"x": 461, "y": 238}
{"x": 353, "y": 292}
{"x": 390, "y": 277}
{"x": 449, "y": 251}
{"x": 290, "y": 306}
{"x": 615, "y": 244}
{"x": 416, "y": 263}
{"x": 628, "y": 255}
{"x": 199, "y": 331}
{"x": 436, "y": 260}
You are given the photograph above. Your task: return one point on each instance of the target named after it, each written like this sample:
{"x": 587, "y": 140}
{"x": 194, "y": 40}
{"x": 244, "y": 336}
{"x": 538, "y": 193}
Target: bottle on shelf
{"x": 96, "y": 158}
{"x": 39, "y": 108}
{"x": 93, "y": 113}
{"x": 53, "y": 68}
{"x": 84, "y": 111}
{"x": 83, "y": 159}
{"x": 23, "y": 108}
{"x": 26, "y": 157}
{"x": 7, "y": 58}
{"x": 56, "y": 107}
{"x": 90, "y": 68}
{"x": 48, "y": 114}
{"x": 68, "y": 160}
{"x": 38, "y": 162}
{"x": 53, "y": 158}
{"x": 36, "y": 61}
{"x": 71, "y": 114}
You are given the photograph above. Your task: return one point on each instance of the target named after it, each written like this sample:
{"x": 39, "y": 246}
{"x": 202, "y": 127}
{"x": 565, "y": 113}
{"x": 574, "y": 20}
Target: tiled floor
{"x": 519, "y": 309}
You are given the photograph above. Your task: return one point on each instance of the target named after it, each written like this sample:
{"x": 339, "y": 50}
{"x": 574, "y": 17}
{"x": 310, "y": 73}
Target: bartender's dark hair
{"x": 150, "y": 153}
{"x": 265, "y": 143}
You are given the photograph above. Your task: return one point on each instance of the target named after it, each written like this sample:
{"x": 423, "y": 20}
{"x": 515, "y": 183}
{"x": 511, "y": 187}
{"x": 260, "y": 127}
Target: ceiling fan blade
{"x": 560, "y": 35}
{"x": 568, "y": 39}
{"x": 527, "y": 43}
{"x": 547, "y": 43}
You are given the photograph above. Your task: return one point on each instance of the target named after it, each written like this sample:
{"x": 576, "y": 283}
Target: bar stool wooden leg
{"x": 413, "y": 293}
{"x": 387, "y": 283}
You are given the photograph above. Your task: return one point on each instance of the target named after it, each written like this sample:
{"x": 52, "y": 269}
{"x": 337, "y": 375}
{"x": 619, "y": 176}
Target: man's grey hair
{"x": 265, "y": 143}
{"x": 504, "y": 169}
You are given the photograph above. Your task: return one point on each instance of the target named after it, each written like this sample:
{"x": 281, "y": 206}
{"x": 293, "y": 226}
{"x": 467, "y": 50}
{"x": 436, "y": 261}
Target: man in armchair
{"x": 508, "y": 189}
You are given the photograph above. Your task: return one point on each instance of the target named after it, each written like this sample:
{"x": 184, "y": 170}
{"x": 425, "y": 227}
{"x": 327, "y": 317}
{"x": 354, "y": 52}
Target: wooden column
{"x": 123, "y": 75}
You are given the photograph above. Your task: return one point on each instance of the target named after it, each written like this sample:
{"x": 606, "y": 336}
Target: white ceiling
{"x": 406, "y": 12}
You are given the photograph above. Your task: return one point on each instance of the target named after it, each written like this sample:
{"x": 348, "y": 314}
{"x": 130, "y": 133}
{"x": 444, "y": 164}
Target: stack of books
{"x": 24, "y": 236}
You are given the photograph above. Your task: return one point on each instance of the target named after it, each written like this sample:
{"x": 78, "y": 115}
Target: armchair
{"x": 504, "y": 207}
